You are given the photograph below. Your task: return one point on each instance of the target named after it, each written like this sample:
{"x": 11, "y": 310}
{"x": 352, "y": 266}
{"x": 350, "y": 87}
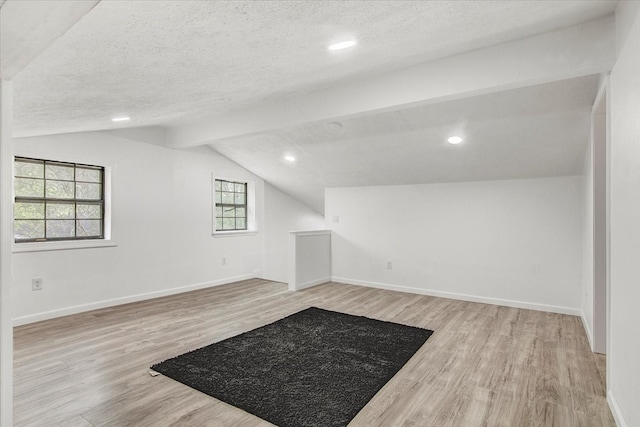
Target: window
{"x": 57, "y": 201}
{"x": 231, "y": 205}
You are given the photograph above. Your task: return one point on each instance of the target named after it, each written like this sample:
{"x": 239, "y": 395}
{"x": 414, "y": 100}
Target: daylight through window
{"x": 231, "y": 205}
{"x": 57, "y": 201}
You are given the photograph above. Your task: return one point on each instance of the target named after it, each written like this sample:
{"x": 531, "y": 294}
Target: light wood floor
{"x": 485, "y": 365}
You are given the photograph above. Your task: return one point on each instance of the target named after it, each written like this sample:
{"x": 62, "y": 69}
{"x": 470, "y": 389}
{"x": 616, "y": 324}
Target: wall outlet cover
{"x": 36, "y": 284}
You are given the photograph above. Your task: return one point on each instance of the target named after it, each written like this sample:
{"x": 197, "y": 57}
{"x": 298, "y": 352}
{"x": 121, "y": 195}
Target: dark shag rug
{"x": 312, "y": 368}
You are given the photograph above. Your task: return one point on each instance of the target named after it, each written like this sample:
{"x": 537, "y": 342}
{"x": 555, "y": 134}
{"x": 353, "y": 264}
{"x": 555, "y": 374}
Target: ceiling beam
{"x": 576, "y": 51}
{"x": 29, "y": 27}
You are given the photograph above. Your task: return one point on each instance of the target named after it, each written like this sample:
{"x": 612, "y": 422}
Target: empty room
{"x": 319, "y": 213}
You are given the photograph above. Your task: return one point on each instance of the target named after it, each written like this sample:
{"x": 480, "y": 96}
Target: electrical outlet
{"x": 389, "y": 265}
{"x": 224, "y": 261}
{"x": 36, "y": 284}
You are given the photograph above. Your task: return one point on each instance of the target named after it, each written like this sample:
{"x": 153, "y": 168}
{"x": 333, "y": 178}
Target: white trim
{"x": 18, "y": 321}
{"x": 63, "y": 245}
{"x": 232, "y": 233}
{"x": 615, "y": 410}
{"x": 309, "y": 284}
{"x": 252, "y": 208}
{"x": 75, "y": 244}
{"x": 311, "y": 232}
{"x": 600, "y": 229}
{"x": 464, "y": 297}
{"x": 108, "y": 227}
{"x": 292, "y": 268}
{"x": 587, "y": 329}
{"x": 602, "y": 91}
{"x": 6, "y": 230}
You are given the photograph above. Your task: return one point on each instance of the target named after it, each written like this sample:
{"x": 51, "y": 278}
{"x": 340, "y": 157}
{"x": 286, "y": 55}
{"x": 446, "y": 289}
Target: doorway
{"x": 599, "y": 123}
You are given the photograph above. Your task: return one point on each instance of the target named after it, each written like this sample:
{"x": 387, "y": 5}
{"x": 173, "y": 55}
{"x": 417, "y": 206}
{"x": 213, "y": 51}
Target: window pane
{"x": 217, "y": 185}
{"x": 227, "y": 186}
{"x": 229, "y": 212}
{"x": 89, "y": 211}
{"x": 29, "y": 169}
{"x": 218, "y": 211}
{"x": 218, "y": 197}
{"x": 228, "y": 223}
{"x": 241, "y": 223}
{"x": 218, "y": 223}
{"x": 28, "y": 229}
{"x": 241, "y": 212}
{"x": 87, "y": 174}
{"x": 58, "y": 216}
{"x": 28, "y": 187}
{"x": 88, "y": 191}
{"x": 240, "y": 199}
{"x": 23, "y": 210}
{"x": 61, "y": 172}
{"x": 60, "y": 189}
{"x": 240, "y": 188}
{"x": 60, "y": 228}
{"x": 89, "y": 227}
{"x": 227, "y": 198}
{"x": 60, "y": 210}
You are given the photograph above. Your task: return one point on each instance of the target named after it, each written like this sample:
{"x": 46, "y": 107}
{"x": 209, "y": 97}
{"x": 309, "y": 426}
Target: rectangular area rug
{"x": 313, "y": 368}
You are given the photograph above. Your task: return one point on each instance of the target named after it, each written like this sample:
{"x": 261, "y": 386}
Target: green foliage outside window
{"x": 231, "y": 205}
{"x": 57, "y": 201}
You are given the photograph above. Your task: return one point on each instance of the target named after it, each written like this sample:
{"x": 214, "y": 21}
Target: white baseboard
{"x": 46, "y": 315}
{"x": 615, "y": 410}
{"x": 464, "y": 297}
{"x": 587, "y": 330}
{"x": 309, "y": 284}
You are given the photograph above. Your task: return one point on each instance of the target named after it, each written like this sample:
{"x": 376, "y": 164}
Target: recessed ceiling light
{"x": 454, "y": 140}
{"x": 343, "y": 45}
{"x": 290, "y": 158}
{"x": 121, "y": 119}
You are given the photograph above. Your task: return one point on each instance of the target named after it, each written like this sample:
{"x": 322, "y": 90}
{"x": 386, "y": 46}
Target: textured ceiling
{"x": 27, "y": 28}
{"x": 179, "y": 63}
{"x": 167, "y": 62}
{"x": 525, "y": 133}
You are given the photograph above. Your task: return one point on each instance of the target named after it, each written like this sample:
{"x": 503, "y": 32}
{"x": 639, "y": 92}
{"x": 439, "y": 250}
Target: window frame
{"x": 251, "y": 223}
{"x": 65, "y": 242}
{"x": 233, "y": 205}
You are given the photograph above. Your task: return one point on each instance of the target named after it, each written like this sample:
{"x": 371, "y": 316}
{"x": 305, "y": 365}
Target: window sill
{"x": 62, "y": 246}
{"x": 234, "y": 233}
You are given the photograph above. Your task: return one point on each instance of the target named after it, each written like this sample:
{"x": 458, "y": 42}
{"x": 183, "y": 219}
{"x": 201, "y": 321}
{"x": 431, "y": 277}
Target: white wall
{"x": 6, "y": 206}
{"x": 513, "y": 242}
{"x": 283, "y": 214}
{"x": 309, "y": 258}
{"x": 162, "y": 223}
{"x": 623, "y": 370}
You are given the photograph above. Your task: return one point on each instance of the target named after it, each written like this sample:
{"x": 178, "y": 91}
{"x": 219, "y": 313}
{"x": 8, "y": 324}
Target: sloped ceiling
{"x": 28, "y": 28}
{"x": 532, "y": 132}
{"x": 177, "y": 63}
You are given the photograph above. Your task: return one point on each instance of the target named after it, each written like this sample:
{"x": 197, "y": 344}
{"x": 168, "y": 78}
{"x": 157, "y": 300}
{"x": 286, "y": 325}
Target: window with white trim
{"x": 56, "y": 201}
{"x": 231, "y": 205}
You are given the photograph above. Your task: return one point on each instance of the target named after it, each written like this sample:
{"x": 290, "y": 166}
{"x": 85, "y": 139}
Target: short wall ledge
{"x": 309, "y": 258}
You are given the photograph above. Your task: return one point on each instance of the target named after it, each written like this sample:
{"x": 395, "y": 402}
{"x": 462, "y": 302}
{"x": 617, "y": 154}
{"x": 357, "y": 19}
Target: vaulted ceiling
{"x": 254, "y": 81}
{"x": 531, "y": 132}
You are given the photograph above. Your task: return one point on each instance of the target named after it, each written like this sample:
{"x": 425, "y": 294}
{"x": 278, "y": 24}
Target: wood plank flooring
{"x": 485, "y": 365}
